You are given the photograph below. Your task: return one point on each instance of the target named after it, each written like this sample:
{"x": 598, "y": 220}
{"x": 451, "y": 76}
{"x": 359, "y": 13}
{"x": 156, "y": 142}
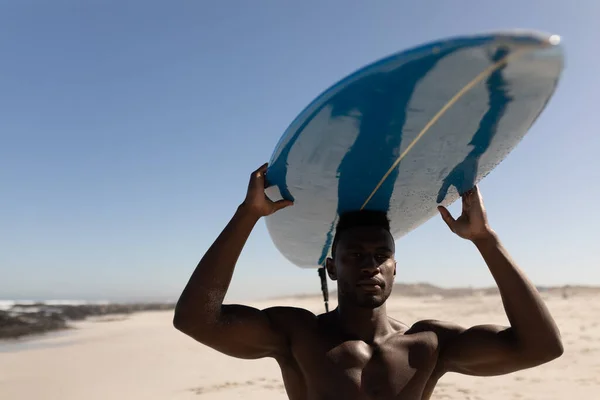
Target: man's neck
{"x": 362, "y": 323}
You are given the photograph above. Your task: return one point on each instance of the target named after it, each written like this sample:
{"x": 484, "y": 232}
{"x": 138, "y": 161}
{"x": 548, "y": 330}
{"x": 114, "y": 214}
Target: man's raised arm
{"x": 532, "y": 338}
{"x": 236, "y": 330}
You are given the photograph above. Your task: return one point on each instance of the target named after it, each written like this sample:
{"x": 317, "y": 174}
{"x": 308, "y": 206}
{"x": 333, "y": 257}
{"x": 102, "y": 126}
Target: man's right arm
{"x": 236, "y": 330}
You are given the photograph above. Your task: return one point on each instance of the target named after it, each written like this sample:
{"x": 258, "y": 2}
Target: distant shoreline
{"x": 19, "y": 319}
{"x": 28, "y": 319}
{"x": 429, "y": 290}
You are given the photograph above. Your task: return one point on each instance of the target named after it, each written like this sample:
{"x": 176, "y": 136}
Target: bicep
{"x": 483, "y": 350}
{"x": 244, "y": 332}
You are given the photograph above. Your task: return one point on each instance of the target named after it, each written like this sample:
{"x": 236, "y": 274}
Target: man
{"x": 356, "y": 351}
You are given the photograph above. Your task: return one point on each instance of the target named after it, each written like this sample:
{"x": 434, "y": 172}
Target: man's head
{"x": 362, "y": 260}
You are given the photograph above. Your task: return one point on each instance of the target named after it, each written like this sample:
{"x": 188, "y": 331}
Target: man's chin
{"x": 371, "y": 302}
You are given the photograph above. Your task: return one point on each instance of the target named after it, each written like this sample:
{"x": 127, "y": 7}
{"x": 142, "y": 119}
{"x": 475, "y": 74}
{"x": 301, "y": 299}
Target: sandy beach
{"x": 141, "y": 356}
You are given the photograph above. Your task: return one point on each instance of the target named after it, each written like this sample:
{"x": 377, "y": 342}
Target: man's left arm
{"x": 532, "y": 337}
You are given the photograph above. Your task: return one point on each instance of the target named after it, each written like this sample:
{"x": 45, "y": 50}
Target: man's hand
{"x": 256, "y": 201}
{"x": 472, "y": 223}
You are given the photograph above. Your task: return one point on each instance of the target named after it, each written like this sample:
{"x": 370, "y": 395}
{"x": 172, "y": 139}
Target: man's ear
{"x": 395, "y": 268}
{"x": 331, "y": 271}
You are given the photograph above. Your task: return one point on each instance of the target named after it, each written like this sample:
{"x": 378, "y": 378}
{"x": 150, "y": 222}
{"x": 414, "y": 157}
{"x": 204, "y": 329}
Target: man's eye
{"x": 356, "y": 255}
{"x": 382, "y": 257}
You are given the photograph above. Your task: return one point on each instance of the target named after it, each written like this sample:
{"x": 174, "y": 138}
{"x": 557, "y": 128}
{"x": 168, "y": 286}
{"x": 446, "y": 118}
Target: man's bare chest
{"x": 397, "y": 368}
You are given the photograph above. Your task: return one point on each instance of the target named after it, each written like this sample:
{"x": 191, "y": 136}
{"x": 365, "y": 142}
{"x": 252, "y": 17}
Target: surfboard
{"x": 408, "y": 132}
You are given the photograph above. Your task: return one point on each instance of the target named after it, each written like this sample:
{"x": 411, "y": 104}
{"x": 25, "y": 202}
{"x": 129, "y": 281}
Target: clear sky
{"x": 128, "y": 131}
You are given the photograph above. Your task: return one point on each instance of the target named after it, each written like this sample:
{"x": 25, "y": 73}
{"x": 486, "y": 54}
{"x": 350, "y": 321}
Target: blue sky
{"x": 128, "y": 130}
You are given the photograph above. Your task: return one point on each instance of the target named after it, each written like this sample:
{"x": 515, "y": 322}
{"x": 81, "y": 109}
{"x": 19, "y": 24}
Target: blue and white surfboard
{"x": 407, "y": 133}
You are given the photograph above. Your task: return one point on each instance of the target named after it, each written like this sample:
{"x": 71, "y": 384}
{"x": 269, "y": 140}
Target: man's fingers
{"x": 469, "y": 195}
{"x": 473, "y": 197}
{"x": 259, "y": 174}
{"x": 282, "y": 204}
{"x": 260, "y": 171}
{"x": 477, "y": 193}
{"x": 263, "y": 168}
{"x": 447, "y": 217}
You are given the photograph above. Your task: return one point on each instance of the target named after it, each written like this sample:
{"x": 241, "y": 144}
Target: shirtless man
{"x": 356, "y": 351}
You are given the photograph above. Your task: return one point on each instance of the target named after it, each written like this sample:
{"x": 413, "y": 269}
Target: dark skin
{"x": 356, "y": 351}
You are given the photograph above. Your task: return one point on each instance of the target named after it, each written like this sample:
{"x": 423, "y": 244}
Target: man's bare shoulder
{"x": 290, "y": 317}
{"x": 443, "y": 329}
{"x": 435, "y": 325}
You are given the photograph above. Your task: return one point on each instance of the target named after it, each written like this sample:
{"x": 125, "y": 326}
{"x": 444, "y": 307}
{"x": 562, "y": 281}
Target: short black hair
{"x": 359, "y": 218}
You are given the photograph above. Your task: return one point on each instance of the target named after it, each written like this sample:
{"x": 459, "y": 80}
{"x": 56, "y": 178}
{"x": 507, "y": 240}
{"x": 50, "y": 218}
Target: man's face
{"x": 364, "y": 266}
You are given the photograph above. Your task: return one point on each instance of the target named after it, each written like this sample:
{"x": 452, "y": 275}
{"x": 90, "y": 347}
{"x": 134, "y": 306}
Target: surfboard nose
{"x": 554, "y": 40}
{"x": 519, "y": 40}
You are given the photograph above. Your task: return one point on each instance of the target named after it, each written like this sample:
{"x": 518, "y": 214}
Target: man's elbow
{"x": 184, "y": 319}
{"x": 180, "y": 321}
{"x": 556, "y": 350}
{"x": 549, "y": 352}
{"x": 196, "y": 324}
{"x": 555, "y": 347}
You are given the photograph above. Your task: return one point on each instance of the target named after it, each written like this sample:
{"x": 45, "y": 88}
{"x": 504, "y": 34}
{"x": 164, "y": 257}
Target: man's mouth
{"x": 370, "y": 283}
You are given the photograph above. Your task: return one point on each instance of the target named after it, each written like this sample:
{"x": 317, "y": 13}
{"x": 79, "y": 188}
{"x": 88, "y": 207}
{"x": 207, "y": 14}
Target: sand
{"x": 143, "y": 357}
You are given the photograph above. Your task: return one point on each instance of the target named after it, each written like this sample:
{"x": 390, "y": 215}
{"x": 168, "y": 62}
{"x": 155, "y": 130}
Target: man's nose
{"x": 369, "y": 264}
